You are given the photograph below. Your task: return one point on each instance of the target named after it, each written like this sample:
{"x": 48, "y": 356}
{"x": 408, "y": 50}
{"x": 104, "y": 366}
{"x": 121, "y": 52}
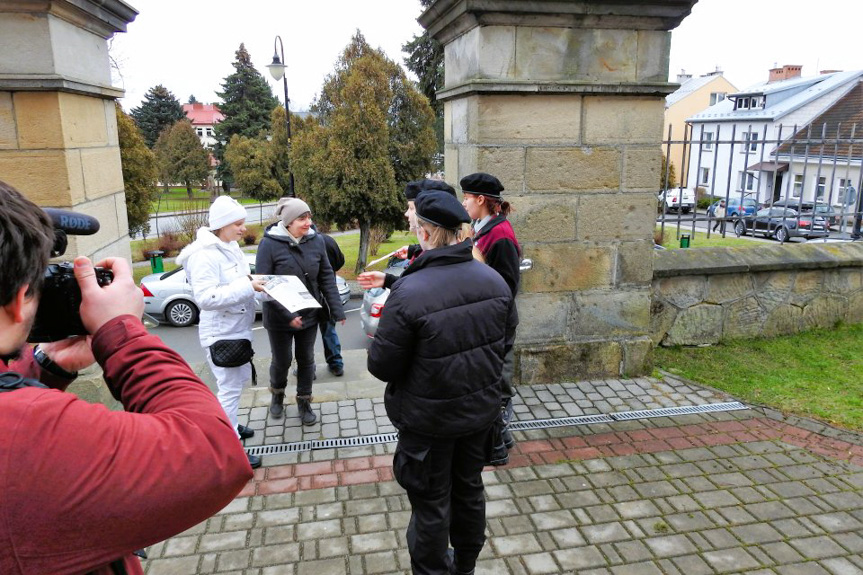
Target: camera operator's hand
{"x": 72, "y": 354}
{"x": 102, "y": 304}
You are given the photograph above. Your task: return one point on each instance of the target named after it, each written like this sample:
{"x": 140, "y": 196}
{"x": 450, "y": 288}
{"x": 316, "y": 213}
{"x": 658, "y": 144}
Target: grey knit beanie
{"x": 289, "y": 209}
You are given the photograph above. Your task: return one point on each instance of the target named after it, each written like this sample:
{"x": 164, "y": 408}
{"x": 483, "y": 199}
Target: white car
{"x": 679, "y": 199}
{"x": 169, "y": 295}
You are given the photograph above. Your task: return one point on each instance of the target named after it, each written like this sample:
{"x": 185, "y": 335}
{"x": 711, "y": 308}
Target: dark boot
{"x": 254, "y": 460}
{"x": 277, "y": 404}
{"x": 245, "y": 432}
{"x": 452, "y": 565}
{"x": 304, "y": 407}
{"x": 506, "y": 414}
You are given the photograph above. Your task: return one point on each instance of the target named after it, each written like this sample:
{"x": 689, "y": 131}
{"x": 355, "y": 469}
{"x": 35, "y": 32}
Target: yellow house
{"x": 693, "y": 96}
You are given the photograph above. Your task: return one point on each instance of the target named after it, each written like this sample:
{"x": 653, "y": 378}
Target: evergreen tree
{"x": 192, "y": 99}
{"x": 425, "y": 58}
{"x": 140, "y": 173}
{"x": 159, "y": 110}
{"x": 181, "y": 156}
{"x": 247, "y": 102}
{"x": 373, "y": 134}
{"x": 251, "y": 160}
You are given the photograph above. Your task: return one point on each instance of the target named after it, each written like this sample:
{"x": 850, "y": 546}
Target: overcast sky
{"x": 189, "y": 45}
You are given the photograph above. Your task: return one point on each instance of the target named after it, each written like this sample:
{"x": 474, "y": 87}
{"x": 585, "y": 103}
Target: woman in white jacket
{"x": 225, "y": 292}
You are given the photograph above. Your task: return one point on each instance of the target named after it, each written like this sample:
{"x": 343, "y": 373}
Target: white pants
{"x": 230, "y": 381}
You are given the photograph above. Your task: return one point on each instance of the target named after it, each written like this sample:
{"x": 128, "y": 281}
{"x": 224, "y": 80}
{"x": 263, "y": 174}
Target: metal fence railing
{"x": 779, "y": 181}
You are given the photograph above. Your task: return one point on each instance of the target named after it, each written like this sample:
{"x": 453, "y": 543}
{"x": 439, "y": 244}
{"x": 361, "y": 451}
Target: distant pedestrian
{"x": 329, "y": 335}
{"x": 719, "y": 215}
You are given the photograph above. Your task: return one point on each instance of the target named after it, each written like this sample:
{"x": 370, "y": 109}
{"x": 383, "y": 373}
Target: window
{"x": 209, "y": 131}
{"x": 707, "y": 141}
{"x": 750, "y": 142}
{"x": 819, "y": 188}
{"x": 199, "y": 131}
{"x": 741, "y": 104}
{"x": 847, "y": 194}
{"x": 704, "y": 176}
{"x": 716, "y": 97}
{"x": 747, "y": 181}
{"x": 797, "y": 188}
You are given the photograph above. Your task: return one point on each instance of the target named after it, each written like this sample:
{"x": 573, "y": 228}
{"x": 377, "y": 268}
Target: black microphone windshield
{"x": 73, "y": 223}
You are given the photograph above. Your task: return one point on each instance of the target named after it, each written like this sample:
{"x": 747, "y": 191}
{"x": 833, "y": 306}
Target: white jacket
{"x": 218, "y": 273}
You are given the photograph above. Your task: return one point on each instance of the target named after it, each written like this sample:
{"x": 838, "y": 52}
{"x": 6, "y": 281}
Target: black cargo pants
{"x": 443, "y": 481}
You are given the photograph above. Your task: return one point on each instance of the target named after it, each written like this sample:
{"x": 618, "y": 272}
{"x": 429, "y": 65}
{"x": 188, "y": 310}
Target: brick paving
{"x": 732, "y": 492}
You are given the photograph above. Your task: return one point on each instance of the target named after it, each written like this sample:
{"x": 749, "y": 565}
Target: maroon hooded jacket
{"x": 82, "y": 487}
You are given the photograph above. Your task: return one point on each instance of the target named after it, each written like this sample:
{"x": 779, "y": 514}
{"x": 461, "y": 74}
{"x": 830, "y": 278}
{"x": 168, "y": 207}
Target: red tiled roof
{"x": 203, "y": 114}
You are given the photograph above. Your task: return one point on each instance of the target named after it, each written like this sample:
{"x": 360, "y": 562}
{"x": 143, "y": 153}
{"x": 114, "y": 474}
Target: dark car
{"x": 735, "y": 207}
{"x": 782, "y": 223}
{"x": 824, "y": 210}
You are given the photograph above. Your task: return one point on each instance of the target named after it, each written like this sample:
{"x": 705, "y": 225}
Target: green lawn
{"x": 699, "y": 239}
{"x": 350, "y": 245}
{"x": 139, "y": 272}
{"x": 176, "y": 199}
{"x": 816, "y": 374}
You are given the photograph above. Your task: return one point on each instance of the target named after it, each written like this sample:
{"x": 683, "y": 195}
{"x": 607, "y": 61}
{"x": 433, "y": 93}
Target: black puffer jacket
{"x": 441, "y": 342}
{"x": 275, "y": 257}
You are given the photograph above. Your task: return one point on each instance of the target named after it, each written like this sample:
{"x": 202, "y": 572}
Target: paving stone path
{"x": 732, "y": 492}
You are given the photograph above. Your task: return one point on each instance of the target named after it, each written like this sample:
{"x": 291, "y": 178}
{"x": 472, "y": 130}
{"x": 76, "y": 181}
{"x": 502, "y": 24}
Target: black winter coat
{"x": 275, "y": 257}
{"x": 441, "y": 342}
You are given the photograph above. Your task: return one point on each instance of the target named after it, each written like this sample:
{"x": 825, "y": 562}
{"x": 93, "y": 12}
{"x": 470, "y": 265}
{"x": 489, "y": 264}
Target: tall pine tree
{"x": 425, "y": 59}
{"x": 247, "y": 103}
{"x": 159, "y": 110}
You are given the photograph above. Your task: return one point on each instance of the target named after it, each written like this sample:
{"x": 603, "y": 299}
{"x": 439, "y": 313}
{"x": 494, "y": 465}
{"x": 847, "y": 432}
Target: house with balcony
{"x": 204, "y": 118}
{"x": 694, "y": 95}
{"x": 735, "y": 143}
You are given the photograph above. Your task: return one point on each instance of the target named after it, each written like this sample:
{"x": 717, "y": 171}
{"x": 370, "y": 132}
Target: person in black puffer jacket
{"x": 440, "y": 347}
{"x": 291, "y": 247}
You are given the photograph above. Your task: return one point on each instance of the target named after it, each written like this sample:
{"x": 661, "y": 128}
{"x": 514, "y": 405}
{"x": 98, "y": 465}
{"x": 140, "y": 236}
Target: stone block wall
{"x": 564, "y": 103}
{"x": 58, "y": 127}
{"x": 710, "y": 295}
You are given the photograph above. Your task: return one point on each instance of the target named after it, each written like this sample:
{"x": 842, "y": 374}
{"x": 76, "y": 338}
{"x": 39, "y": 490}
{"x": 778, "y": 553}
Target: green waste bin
{"x": 156, "y": 261}
{"x": 684, "y": 240}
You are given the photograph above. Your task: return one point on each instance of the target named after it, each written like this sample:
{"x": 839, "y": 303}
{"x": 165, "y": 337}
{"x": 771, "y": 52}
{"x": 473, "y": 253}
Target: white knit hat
{"x": 289, "y": 209}
{"x": 225, "y": 210}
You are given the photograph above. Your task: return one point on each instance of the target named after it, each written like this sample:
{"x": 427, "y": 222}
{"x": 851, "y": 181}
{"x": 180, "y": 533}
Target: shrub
{"x": 171, "y": 244}
{"x": 658, "y": 236}
{"x": 250, "y": 237}
{"x": 376, "y": 238}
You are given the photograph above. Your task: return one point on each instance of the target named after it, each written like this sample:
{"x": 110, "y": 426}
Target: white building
{"x": 734, "y": 143}
{"x": 204, "y": 118}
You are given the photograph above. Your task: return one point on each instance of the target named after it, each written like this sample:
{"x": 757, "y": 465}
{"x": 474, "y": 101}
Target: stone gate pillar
{"x": 563, "y": 101}
{"x": 58, "y": 129}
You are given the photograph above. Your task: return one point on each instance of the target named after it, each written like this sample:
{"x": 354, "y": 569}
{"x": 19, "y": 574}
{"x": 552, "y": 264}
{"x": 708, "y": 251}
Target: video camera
{"x": 58, "y": 315}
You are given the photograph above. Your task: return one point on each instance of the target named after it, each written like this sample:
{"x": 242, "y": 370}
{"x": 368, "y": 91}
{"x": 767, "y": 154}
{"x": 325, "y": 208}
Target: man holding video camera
{"x": 84, "y": 487}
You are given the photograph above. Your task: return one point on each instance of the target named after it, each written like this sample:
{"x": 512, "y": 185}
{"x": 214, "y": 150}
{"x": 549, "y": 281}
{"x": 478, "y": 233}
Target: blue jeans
{"x": 332, "y": 345}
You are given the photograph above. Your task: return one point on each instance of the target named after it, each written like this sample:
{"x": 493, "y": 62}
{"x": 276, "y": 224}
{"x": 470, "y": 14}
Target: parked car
{"x": 168, "y": 295}
{"x": 826, "y": 211}
{"x": 782, "y": 223}
{"x": 679, "y": 199}
{"x": 375, "y": 298}
{"x": 735, "y": 207}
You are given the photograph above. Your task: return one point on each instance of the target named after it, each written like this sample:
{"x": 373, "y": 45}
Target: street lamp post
{"x": 277, "y": 71}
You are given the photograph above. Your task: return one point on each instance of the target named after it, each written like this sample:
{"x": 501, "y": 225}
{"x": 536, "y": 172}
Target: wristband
{"x": 48, "y": 364}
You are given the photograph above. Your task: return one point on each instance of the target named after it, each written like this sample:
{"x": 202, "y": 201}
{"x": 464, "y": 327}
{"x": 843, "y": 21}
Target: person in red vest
{"x": 84, "y": 487}
{"x": 494, "y": 239}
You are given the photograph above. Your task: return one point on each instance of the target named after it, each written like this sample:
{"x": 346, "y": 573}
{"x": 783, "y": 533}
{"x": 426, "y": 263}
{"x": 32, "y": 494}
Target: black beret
{"x": 415, "y": 188}
{"x": 441, "y": 209}
{"x": 481, "y": 184}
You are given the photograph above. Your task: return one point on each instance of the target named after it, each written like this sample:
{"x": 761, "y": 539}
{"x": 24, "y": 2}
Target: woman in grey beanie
{"x": 291, "y": 247}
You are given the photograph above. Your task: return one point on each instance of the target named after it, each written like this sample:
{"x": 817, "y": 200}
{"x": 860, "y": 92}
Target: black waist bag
{"x": 233, "y": 353}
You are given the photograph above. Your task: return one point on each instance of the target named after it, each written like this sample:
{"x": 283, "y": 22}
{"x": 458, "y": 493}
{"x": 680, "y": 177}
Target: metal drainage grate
{"x": 559, "y": 422}
{"x": 323, "y": 444}
{"x": 674, "y": 411}
{"x": 515, "y": 426}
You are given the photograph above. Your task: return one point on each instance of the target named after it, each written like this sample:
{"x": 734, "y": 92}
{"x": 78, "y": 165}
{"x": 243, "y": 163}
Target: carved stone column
{"x": 58, "y": 130}
{"x": 563, "y": 101}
